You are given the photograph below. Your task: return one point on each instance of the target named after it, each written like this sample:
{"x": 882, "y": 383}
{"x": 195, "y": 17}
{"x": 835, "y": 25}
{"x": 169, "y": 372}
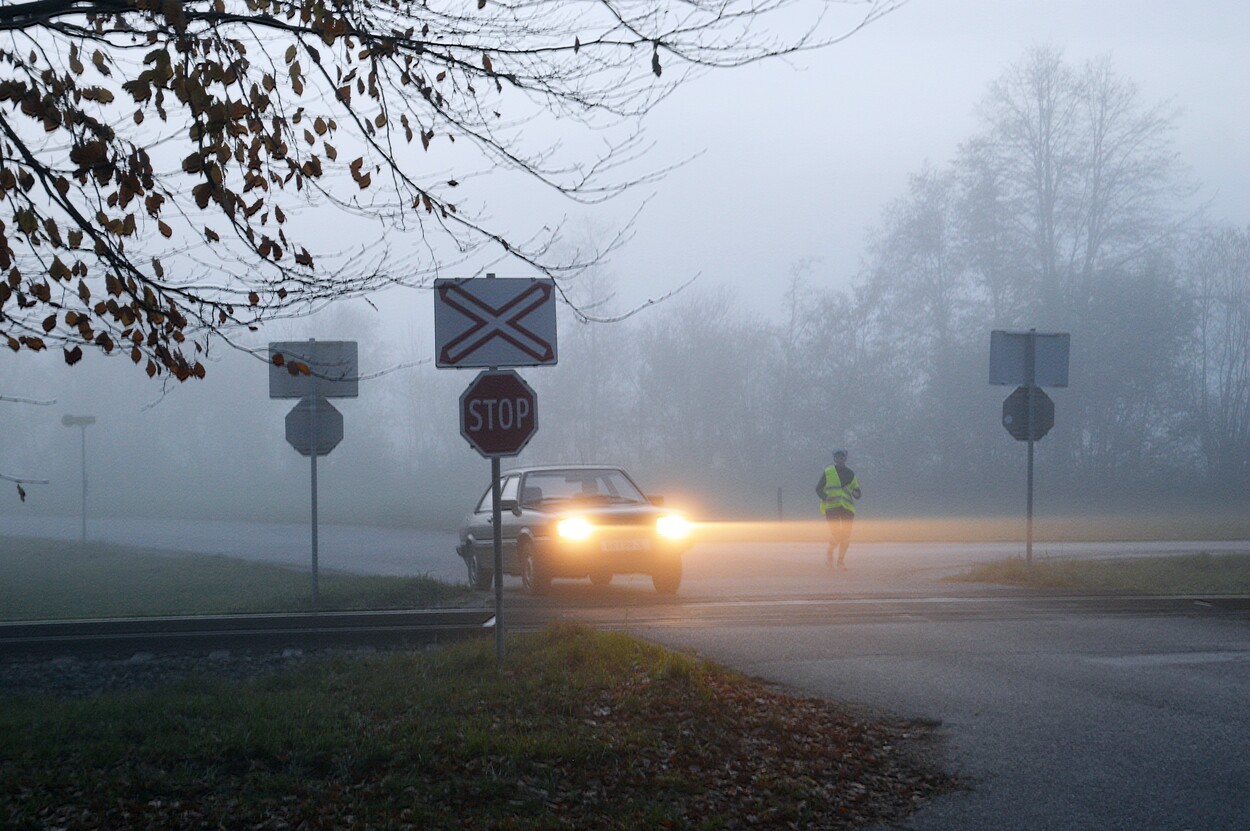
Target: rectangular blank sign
{"x": 1009, "y": 358}
{"x": 333, "y": 369}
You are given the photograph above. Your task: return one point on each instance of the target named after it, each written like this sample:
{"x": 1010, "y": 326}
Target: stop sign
{"x": 1016, "y": 413}
{"x": 314, "y": 417}
{"x": 498, "y": 413}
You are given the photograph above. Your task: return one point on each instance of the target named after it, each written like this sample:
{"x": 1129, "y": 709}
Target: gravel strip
{"x": 84, "y": 677}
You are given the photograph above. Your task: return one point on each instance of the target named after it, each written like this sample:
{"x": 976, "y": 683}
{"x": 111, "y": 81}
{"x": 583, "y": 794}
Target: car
{"x": 574, "y": 522}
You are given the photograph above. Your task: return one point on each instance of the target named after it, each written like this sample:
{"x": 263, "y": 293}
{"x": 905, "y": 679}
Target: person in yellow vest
{"x": 838, "y": 489}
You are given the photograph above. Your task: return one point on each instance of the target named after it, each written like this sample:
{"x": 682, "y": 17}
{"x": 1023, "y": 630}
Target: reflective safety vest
{"x": 838, "y": 495}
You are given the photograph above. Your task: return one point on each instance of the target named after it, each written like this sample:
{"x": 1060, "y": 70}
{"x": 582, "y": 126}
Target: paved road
{"x": 1077, "y": 719}
{"x": 1062, "y": 712}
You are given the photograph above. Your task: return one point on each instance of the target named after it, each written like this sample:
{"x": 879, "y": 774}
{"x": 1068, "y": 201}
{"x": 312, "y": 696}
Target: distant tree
{"x": 925, "y": 303}
{"x": 787, "y": 392}
{"x": 1071, "y": 177}
{"x": 703, "y": 386}
{"x": 174, "y": 168}
{"x": 1218, "y": 278}
{"x": 588, "y": 394}
{"x": 1063, "y": 211}
{"x": 917, "y": 265}
{"x": 1131, "y": 370}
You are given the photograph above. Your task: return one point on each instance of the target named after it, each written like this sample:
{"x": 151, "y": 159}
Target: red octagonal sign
{"x": 498, "y": 413}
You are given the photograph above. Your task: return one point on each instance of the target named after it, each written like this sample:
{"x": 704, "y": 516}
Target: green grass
{"x": 1203, "y": 573}
{"x": 578, "y": 730}
{"x": 42, "y": 579}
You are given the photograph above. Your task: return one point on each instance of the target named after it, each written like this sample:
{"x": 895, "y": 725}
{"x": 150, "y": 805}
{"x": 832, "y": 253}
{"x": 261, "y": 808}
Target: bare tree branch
{"x": 175, "y": 171}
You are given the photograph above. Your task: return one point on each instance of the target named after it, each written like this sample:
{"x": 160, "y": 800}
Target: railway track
{"x": 851, "y": 610}
{"x": 310, "y": 631}
{"x": 123, "y": 636}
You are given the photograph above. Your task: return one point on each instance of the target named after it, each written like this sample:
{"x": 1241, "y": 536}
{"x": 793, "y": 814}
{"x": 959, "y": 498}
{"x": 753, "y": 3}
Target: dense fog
{"x": 1068, "y": 209}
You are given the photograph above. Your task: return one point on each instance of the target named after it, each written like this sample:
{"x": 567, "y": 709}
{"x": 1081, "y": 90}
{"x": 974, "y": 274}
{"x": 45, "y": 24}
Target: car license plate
{"x": 617, "y": 546}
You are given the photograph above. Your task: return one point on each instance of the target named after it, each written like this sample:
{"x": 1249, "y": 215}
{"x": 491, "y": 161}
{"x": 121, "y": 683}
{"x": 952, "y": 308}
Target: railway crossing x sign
{"x": 491, "y": 322}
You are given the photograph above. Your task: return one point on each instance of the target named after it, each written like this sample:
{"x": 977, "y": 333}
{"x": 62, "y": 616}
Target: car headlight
{"x": 574, "y": 528}
{"x": 672, "y": 527}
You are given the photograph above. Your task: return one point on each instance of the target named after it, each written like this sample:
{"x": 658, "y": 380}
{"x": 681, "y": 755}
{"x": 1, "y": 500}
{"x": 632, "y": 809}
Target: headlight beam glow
{"x": 673, "y": 527}
{"x": 575, "y": 528}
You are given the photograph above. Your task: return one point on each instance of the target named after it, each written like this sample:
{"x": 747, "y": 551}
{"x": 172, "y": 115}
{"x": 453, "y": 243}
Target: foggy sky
{"x": 798, "y": 159}
{"x": 802, "y": 156}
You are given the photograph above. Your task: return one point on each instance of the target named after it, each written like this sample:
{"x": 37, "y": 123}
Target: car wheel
{"x": 667, "y": 578}
{"x": 534, "y": 575}
{"x": 480, "y": 576}
{"x": 601, "y": 578}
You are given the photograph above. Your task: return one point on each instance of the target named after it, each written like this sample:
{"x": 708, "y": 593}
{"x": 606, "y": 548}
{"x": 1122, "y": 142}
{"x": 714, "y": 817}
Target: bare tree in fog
{"x": 928, "y": 308}
{"x": 591, "y": 390}
{"x": 1061, "y": 212}
{"x": 791, "y": 396}
{"x": 703, "y": 384}
{"x": 1131, "y": 365}
{"x": 1219, "y": 279}
{"x": 1084, "y": 178}
{"x": 173, "y": 170}
{"x": 1076, "y": 173}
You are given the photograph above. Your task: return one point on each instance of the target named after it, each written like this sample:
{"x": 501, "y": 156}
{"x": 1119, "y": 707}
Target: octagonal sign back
{"x": 314, "y": 425}
{"x": 498, "y": 413}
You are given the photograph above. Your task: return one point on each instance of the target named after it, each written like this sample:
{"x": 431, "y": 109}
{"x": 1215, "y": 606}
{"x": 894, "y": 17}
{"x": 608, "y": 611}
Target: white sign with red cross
{"x": 494, "y": 322}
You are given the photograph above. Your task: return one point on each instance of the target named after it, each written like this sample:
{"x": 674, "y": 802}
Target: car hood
{"x": 630, "y": 514}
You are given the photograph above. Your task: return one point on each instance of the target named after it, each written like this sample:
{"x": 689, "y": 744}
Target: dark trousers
{"x": 839, "y": 520}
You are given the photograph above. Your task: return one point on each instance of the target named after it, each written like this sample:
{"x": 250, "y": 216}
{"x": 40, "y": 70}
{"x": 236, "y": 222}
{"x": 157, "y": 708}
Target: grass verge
{"x": 581, "y": 730}
{"x": 1203, "y": 573}
{"x": 46, "y": 579}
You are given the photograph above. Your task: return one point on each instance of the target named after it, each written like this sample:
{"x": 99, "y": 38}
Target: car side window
{"x": 508, "y": 486}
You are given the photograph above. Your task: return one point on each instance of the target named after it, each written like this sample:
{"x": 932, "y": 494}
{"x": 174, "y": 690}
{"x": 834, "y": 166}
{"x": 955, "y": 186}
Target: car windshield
{"x": 606, "y": 485}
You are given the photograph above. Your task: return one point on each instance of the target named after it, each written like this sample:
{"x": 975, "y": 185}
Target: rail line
{"x": 311, "y": 630}
{"x": 522, "y": 613}
{"x": 822, "y": 610}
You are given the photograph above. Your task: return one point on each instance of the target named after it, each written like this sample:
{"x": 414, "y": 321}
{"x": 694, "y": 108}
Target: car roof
{"x": 538, "y": 468}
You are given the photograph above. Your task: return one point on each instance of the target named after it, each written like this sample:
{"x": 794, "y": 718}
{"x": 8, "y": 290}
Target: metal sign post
{"x": 488, "y": 323}
{"x": 313, "y": 371}
{"x": 496, "y": 515}
{"x": 1029, "y": 358}
{"x": 82, "y": 422}
{"x": 498, "y": 417}
{"x": 1030, "y": 376}
{"x": 315, "y": 452}
{"x": 314, "y": 427}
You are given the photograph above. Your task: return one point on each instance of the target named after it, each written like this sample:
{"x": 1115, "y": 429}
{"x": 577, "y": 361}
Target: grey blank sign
{"x": 1009, "y": 361}
{"x": 333, "y": 369}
